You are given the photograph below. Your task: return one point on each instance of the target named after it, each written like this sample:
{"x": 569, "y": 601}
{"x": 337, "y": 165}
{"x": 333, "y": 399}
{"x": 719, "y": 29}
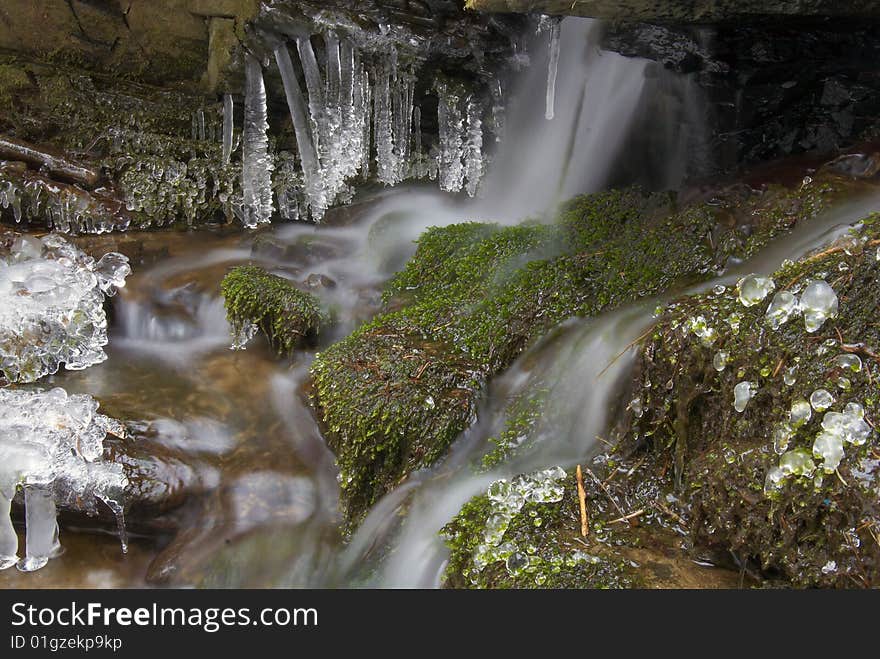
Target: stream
{"x": 233, "y": 429}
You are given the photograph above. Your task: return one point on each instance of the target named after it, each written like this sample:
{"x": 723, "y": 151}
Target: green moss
{"x": 286, "y": 315}
{"x": 474, "y": 296}
{"x": 812, "y": 531}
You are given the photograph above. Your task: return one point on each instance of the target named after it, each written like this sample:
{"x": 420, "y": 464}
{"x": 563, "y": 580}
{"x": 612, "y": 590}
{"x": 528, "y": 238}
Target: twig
{"x": 623, "y": 352}
{"x": 662, "y": 507}
{"x": 779, "y": 366}
{"x": 626, "y": 518}
{"x": 845, "y": 484}
{"x": 582, "y": 499}
{"x": 605, "y": 490}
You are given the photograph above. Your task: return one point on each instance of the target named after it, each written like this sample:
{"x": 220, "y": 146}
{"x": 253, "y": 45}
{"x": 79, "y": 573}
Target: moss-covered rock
{"x": 810, "y": 527}
{"x": 257, "y": 299}
{"x": 395, "y": 393}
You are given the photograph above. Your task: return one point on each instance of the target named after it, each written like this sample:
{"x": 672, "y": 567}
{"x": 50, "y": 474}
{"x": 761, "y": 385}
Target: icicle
{"x": 404, "y": 88}
{"x": 366, "y": 105}
{"x": 256, "y": 171}
{"x": 451, "y": 172}
{"x": 201, "y": 117}
{"x": 119, "y": 514}
{"x": 315, "y": 88}
{"x": 298, "y": 114}
{"x": 418, "y": 157}
{"x": 351, "y": 101}
{"x": 386, "y": 164}
{"x": 41, "y": 521}
{"x": 333, "y": 156}
{"x": 552, "y": 69}
{"x": 473, "y": 153}
{"x": 8, "y": 538}
{"x": 497, "y": 110}
{"x": 228, "y": 125}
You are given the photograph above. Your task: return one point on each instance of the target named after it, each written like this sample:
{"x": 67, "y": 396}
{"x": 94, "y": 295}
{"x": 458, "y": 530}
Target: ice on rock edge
{"x": 507, "y": 497}
{"x": 752, "y": 289}
{"x": 52, "y": 306}
{"x": 52, "y": 446}
{"x": 782, "y": 307}
{"x": 818, "y": 303}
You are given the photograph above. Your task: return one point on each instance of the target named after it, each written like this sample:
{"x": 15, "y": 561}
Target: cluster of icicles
{"x": 353, "y": 106}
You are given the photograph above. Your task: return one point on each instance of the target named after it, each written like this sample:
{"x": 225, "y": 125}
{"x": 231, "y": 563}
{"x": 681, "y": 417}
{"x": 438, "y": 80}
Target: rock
{"x": 678, "y": 11}
{"x": 743, "y": 497}
{"x": 400, "y": 389}
{"x": 856, "y": 165}
{"x": 319, "y": 281}
{"x": 255, "y": 299}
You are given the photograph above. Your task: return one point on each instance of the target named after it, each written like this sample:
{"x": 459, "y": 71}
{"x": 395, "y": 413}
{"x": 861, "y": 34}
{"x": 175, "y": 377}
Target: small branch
{"x": 605, "y": 490}
{"x": 779, "y": 367}
{"x": 627, "y": 518}
{"x": 662, "y": 507}
{"x": 52, "y": 161}
{"x": 582, "y": 499}
{"x": 623, "y": 352}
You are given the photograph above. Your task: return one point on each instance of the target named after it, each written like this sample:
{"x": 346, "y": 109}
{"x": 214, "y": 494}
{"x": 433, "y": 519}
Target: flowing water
{"x": 233, "y": 429}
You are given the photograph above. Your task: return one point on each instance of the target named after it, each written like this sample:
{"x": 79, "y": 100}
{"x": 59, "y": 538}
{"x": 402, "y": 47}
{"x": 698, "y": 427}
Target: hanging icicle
{"x": 256, "y": 169}
{"x": 228, "y": 127}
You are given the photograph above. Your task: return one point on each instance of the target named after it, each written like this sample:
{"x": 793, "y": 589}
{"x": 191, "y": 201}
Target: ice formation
{"x": 63, "y": 207}
{"x": 257, "y": 164}
{"x": 782, "y": 307}
{"x": 800, "y": 412}
{"x": 358, "y": 108}
{"x": 228, "y": 126}
{"x": 821, "y": 400}
{"x": 52, "y": 446}
{"x": 507, "y": 498}
{"x": 52, "y": 306}
{"x": 742, "y": 394}
{"x": 752, "y": 289}
{"x": 701, "y": 329}
{"x": 818, "y": 302}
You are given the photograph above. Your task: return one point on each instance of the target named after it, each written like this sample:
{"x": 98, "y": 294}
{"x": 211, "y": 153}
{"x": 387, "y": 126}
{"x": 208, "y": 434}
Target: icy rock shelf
{"x": 51, "y": 446}
{"x": 52, "y": 305}
{"x": 355, "y": 117}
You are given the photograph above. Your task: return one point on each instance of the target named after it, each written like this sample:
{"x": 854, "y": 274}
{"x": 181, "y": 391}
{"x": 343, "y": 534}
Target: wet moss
{"x": 546, "y": 552}
{"x": 395, "y": 393}
{"x": 286, "y": 315}
{"x": 820, "y": 530}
